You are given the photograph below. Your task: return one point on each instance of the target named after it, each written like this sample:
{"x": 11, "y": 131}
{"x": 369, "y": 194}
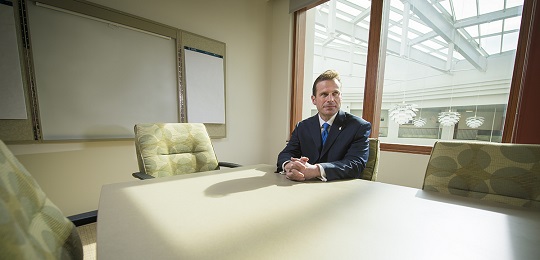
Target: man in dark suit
{"x": 346, "y": 146}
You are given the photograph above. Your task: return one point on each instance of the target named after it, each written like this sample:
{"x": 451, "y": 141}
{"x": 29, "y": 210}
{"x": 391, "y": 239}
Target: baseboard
{"x": 84, "y": 218}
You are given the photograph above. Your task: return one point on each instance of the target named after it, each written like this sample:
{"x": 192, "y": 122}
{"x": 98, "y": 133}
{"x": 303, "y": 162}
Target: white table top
{"x": 254, "y": 213}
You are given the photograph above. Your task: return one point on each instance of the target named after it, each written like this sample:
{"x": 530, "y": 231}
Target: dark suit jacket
{"x": 345, "y": 152}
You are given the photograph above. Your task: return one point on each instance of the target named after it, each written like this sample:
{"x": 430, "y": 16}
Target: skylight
{"x": 486, "y": 26}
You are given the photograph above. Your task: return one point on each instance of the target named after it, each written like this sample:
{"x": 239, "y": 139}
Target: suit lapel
{"x": 335, "y": 130}
{"x": 315, "y": 132}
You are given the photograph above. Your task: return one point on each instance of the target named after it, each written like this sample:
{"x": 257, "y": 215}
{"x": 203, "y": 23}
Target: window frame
{"x": 375, "y": 73}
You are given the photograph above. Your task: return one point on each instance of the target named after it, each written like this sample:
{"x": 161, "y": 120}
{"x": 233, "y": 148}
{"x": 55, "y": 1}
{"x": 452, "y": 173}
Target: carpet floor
{"x": 88, "y": 238}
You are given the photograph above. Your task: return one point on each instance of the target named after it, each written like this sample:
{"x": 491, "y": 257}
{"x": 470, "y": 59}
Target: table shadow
{"x": 228, "y": 187}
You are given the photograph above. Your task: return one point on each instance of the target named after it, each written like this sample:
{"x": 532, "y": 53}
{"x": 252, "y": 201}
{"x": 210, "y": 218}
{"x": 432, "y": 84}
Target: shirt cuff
{"x": 323, "y": 174}
{"x": 283, "y": 167}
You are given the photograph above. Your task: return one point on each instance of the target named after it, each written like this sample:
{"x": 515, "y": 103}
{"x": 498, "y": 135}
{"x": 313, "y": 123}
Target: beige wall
{"x": 258, "y": 38}
{"x": 403, "y": 169}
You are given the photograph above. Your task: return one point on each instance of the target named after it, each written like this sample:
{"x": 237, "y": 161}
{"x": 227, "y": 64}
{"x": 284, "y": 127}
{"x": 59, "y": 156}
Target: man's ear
{"x": 313, "y": 100}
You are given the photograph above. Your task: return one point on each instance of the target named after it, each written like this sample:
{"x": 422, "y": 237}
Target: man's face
{"x": 328, "y": 98}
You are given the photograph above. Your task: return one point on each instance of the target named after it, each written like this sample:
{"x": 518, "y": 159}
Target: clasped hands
{"x": 298, "y": 169}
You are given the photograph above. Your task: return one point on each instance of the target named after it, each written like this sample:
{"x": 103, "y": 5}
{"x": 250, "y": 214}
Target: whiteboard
{"x": 96, "y": 80}
{"x": 205, "y": 87}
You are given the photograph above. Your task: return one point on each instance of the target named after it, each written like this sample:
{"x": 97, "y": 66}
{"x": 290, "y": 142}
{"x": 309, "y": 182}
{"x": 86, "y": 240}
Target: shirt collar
{"x": 330, "y": 121}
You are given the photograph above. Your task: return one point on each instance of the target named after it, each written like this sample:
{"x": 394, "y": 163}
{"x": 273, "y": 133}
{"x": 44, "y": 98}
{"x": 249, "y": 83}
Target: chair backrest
{"x": 372, "y": 165}
{"x": 31, "y": 226}
{"x": 507, "y": 173}
{"x": 166, "y": 149}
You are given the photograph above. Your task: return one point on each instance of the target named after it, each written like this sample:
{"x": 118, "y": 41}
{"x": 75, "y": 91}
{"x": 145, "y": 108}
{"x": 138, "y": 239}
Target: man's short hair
{"x": 327, "y": 75}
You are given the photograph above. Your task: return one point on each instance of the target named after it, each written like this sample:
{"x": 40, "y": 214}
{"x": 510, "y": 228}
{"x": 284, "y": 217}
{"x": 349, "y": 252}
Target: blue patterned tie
{"x": 324, "y": 132}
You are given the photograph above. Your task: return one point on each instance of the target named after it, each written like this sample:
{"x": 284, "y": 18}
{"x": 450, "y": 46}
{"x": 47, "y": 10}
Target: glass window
{"x": 447, "y": 67}
{"x": 340, "y": 30}
{"x": 453, "y": 80}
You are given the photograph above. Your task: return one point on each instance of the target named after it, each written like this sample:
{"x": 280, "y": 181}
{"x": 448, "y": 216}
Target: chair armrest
{"x": 229, "y": 164}
{"x": 142, "y": 176}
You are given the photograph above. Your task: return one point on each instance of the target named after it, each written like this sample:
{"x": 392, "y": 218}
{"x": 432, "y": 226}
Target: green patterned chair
{"x": 31, "y": 226}
{"x": 506, "y": 173}
{"x": 166, "y": 149}
{"x": 372, "y": 165}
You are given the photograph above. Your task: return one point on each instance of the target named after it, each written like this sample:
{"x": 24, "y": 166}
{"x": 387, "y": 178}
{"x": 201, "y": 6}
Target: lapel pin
{"x": 339, "y": 128}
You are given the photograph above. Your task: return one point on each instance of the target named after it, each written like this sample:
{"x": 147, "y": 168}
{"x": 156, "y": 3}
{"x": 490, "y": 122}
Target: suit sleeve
{"x": 292, "y": 149}
{"x": 355, "y": 159}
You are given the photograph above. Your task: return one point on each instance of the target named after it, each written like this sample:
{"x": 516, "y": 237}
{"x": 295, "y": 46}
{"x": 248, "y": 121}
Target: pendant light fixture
{"x": 403, "y": 113}
{"x": 475, "y": 121}
{"x": 420, "y": 121}
{"x": 449, "y": 118}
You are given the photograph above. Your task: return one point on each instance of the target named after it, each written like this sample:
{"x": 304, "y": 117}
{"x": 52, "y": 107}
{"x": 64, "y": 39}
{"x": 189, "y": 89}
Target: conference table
{"x": 253, "y": 213}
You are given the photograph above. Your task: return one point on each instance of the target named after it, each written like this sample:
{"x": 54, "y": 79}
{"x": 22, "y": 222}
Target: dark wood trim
{"x": 520, "y": 69}
{"x": 526, "y": 125}
{"x": 374, "y": 73}
{"x": 404, "y": 148}
{"x": 84, "y": 218}
{"x": 299, "y": 46}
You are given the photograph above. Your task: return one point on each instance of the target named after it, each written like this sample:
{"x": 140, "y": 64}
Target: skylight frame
{"x": 480, "y": 36}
